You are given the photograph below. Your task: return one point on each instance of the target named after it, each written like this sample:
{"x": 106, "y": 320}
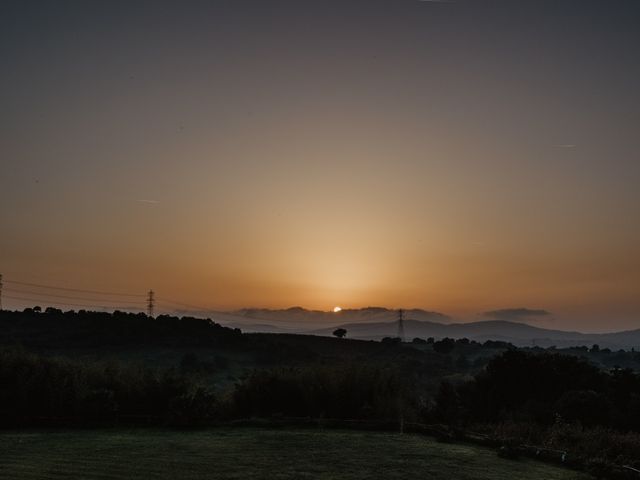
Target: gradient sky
{"x": 458, "y": 156}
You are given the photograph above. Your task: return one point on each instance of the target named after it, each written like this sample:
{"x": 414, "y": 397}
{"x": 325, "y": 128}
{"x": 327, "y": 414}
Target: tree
{"x": 462, "y": 362}
{"x": 444, "y": 346}
{"x": 530, "y": 384}
{"x": 584, "y": 406}
{"x": 189, "y": 362}
{"x": 340, "y": 333}
{"x": 448, "y": 406}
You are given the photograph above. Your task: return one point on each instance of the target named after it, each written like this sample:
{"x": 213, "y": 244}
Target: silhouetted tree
{"x": 340, "y": 332}
{"x": 444, "y": 346}
{"x": 189, "y": 362}
{"x": 462, "y": 362}
{"x": 334, "y": 391}
{"x": 584, "y": 406}
{"x": 447, "y": 404}
{"x": 530, "y": 384}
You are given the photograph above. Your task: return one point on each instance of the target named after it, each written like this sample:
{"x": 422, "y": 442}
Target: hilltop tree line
{"x": 53, "y": 327}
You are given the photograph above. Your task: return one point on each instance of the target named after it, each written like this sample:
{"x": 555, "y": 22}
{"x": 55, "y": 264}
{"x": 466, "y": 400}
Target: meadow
{"x": 254, "y": 453}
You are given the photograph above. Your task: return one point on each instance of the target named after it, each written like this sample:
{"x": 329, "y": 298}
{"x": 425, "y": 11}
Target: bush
{"x": 341, "y": 392}
{"x": 40, "y": 390}
{"x": 444, "y": 346}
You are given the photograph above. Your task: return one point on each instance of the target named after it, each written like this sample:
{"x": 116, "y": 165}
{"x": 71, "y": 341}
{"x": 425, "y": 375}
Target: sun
{"x": 337, "y": 309}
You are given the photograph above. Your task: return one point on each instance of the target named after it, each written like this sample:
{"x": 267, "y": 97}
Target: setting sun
{"x": 337, "y": 309}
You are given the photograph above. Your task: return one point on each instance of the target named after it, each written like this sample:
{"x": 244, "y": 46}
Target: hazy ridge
{"x": 375, "y": 323}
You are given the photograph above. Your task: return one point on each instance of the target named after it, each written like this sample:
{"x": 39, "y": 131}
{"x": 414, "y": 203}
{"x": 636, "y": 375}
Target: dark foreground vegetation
{"x": 92, "y": 369}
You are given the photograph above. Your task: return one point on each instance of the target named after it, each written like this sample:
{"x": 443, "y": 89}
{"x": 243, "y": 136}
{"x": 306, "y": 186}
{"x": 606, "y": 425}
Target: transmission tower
{"x": 401, "y": 325}
{"x": 150, "y": 303}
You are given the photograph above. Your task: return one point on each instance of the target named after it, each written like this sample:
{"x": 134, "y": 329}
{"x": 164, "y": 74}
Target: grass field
{"x": 254, "y": 453}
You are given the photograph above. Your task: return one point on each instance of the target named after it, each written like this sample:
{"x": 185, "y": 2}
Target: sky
{"x": 460, "y": 156}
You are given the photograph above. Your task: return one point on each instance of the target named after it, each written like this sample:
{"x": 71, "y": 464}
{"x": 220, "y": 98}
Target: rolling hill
{"x": 519, "y": 334}
{"x": 302, "y": 320}
{"x": 375, "y": 323}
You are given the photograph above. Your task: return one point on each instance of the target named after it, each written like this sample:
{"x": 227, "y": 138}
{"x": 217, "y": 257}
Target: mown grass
{"x": 254, "y": 453}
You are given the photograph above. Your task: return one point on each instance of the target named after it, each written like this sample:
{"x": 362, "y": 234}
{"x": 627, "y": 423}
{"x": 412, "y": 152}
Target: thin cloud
{"x": 566, "y": 145}
{"x": 148, "y": 202}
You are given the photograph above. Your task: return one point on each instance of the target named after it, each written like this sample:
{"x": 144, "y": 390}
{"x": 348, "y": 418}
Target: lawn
{"x": 244, "y": 453}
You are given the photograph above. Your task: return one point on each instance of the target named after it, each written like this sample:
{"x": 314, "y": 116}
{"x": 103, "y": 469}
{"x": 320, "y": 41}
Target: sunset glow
{"x": 230, "y": 154}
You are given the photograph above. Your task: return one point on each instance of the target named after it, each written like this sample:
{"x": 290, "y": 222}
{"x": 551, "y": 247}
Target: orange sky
{"x": 233, "y": 157}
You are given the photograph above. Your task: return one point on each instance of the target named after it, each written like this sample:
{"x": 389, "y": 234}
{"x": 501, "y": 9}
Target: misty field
{"x": 253, "y": 453}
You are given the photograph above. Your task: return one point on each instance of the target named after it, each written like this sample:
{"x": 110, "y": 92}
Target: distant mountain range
{"x": 519, "y": 334}
{"x": 301, "y": 319}
{"x": 375, "y": 323}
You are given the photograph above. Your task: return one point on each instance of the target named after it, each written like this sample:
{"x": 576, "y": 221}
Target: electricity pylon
{"x": 150, "y": 303}
{"x": 401, "y": 325}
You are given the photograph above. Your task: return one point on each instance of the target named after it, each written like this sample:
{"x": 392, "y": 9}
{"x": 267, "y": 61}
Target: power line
{"x": 0, "y": 292}
{"x": 171, "y": 304}
{"x": 96, "y": 292}
{"x": 186, "y": 305}
{"x": 67, "y": 297}
{"x": 29, "y": 292}
{"x": 33, "y": 292}
{"x": 45, "y": 302}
